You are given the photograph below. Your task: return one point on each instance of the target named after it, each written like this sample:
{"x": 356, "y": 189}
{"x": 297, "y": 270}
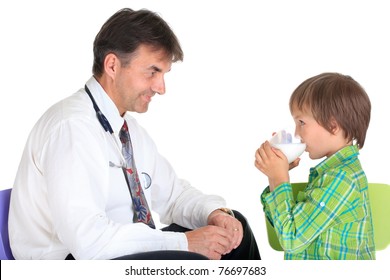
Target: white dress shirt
{"x": 68, "y": 198}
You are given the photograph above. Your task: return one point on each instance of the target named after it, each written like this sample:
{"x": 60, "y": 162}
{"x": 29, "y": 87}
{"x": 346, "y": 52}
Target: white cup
{"x": 290, "y": 146}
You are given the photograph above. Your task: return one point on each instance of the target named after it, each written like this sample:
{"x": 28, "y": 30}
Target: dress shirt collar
{"x": 337, "y": 159}
{"x": 106, "y": 105}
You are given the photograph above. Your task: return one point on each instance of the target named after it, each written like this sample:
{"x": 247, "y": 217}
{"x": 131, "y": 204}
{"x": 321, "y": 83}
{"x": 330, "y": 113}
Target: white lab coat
{"x": 68, "y": 199}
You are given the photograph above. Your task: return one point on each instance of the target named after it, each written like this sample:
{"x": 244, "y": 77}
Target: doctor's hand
{"x": 223, "y": 234}
{"x": 232, "y": 225}
{"x": 210, "y": 241}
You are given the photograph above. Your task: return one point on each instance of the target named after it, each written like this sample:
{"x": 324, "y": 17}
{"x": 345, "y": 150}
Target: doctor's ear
{"x": 111, "y": 64}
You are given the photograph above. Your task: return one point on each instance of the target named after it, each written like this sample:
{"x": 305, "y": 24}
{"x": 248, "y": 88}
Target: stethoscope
{"x": 107, "y": 127}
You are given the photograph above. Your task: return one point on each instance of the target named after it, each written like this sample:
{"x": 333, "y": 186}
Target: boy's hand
{"x": 273, "y": 163}
{"x": 294, "y": 164}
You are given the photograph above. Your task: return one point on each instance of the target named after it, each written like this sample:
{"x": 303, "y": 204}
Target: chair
{"x": 380, "y": 207}
{"x": 5, "y": 250}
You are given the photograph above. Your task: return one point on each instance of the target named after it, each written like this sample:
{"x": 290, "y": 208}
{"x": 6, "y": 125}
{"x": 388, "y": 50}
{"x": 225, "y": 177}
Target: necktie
{"x": 141, "y": 209}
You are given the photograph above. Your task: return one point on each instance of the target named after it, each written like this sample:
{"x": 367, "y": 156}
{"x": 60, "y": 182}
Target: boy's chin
{"x": 314, "y": 157}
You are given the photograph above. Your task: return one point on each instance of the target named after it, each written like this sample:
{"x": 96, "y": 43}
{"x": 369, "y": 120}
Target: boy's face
{"x": 319, "y": 141}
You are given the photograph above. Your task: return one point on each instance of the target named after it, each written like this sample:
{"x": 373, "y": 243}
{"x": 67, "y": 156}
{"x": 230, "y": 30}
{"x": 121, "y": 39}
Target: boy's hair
{"x": 335, "y": 97}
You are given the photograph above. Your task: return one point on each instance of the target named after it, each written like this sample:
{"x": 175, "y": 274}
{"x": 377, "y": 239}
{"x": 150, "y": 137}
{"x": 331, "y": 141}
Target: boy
{"x": 333, "y": 218}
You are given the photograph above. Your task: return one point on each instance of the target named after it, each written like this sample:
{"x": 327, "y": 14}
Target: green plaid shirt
{"x": 331, "y": 219}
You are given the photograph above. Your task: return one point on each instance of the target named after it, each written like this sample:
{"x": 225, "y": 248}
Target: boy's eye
{"x": 301, "y": 123}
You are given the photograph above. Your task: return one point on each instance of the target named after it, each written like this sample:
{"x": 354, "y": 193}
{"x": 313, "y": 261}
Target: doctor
{"x": 72, "y": 197}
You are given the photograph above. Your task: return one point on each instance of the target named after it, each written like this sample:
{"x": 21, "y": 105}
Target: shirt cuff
{"x": 176, "y": 241}
{"x": 265, "y": 192}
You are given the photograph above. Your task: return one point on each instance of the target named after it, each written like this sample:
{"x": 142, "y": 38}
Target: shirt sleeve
{"x": 332, "y": 200}
{"x": 266, "y": 209}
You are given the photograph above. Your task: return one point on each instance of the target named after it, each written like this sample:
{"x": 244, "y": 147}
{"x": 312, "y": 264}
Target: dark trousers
{"x": 247, "y": 250}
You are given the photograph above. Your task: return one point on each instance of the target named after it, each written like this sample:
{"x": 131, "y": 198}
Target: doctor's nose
{"x": 159, "y": 86}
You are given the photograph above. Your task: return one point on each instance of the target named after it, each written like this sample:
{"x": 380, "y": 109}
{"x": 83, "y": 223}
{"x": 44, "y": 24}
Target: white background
{"x": 242, "y": 61}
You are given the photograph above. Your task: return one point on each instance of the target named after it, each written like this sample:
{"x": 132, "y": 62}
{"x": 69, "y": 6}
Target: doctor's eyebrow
{"x": 156, "y": 69}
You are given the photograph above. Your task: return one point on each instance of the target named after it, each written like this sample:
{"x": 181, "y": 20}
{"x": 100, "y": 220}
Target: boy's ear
{"x": 334, "y": 126}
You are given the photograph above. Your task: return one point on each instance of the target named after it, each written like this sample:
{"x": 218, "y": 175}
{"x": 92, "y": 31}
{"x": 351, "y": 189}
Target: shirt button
{"x": 322, "y": 204}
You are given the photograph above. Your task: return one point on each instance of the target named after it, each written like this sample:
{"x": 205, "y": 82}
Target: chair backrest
{"x": 380, "y": 207}
{"x": 5, "y": 250}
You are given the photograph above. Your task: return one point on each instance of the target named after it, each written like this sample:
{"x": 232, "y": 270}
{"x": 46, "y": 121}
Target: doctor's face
{"x": 141, "y": 79}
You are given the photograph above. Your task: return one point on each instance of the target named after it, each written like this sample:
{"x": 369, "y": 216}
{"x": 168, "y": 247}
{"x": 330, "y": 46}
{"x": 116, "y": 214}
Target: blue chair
{"x": 5, "y": 250}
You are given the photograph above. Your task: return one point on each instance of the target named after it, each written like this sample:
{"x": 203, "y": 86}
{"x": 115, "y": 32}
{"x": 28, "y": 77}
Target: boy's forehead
{"x": 300, "y": 112}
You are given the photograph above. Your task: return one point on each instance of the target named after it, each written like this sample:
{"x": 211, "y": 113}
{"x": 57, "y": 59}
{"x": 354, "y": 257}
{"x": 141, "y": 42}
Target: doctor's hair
{"x": 333, "y": 97}
{"x": 126, "y": 30}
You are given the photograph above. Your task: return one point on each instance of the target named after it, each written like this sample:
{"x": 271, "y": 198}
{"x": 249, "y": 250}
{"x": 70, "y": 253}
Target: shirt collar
{"x": 106, "y": 105}
{"x": 335, "y": 160}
